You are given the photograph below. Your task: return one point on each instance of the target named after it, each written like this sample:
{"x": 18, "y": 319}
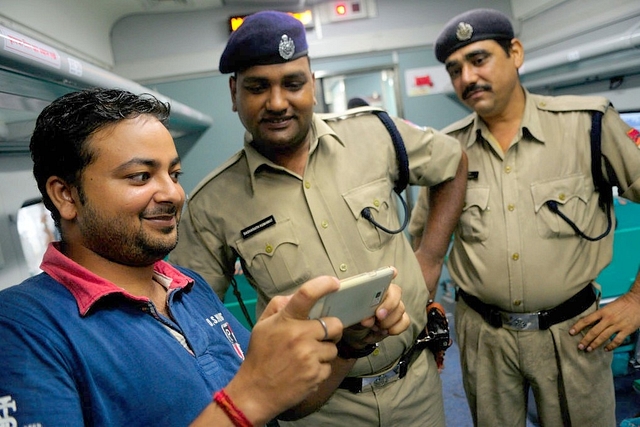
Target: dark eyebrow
{"x": 476, "y": 52}
{"x": 296, "y": 75}
{"x": 468, "y": 57}
{"x": 259, "y": 79}
{"x": 256, "y": 79}
{"x": 138, "y": 161}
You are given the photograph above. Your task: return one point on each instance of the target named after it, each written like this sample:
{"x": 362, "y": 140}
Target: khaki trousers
{"x": 413, "y": 401}
{"x": 571, "y": 387}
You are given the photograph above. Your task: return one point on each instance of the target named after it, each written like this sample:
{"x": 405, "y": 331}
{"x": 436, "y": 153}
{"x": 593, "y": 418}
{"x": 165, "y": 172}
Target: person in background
{"x": 356, "y": 102}
{"x": 527, "y": 312}
{"x": 110, "y": 334}
{"x": 290, "y": 204}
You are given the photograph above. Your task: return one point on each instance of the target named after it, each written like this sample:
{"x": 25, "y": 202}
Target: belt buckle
{"x": 380, "y": 380}
{"x": 521, "y": 321}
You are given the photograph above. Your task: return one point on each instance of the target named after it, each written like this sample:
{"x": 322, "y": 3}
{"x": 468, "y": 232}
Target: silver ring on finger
{"x": 324, "y": 326}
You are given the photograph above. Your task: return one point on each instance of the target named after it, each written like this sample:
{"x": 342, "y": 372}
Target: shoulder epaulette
{"x": 217, "y": 171}
{"x": 460, "y": 124}
{"x": 573, "y": 103}
{"x": 349, "y": 113}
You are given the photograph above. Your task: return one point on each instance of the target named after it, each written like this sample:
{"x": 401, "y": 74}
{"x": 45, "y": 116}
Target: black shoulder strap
{"x": 403, "y": 173}
{"x": 401, "y": 152}
{"x": 601, "y": 185}
{"x": 605, "y": 194}
{"x": 243, "y": 307}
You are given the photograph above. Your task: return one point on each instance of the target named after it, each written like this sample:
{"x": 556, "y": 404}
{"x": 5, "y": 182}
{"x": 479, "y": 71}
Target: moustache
{"x": 162, "y": 211}
{"x": 473, "y": 88}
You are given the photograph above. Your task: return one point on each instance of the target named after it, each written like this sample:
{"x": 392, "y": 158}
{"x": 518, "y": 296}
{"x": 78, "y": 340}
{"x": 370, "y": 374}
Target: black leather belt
{"x": 359, "y": 384}
{"x": 531, "y": 321}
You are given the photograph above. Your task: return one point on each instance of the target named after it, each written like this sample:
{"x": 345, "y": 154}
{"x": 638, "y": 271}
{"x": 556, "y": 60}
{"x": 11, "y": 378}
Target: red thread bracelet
{"x": 226, "y": 404}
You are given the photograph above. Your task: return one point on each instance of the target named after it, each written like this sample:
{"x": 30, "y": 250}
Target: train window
{"x": 632, "y": 118}
{"x": 377, "y": 87}
{"x": 36, "y": 230}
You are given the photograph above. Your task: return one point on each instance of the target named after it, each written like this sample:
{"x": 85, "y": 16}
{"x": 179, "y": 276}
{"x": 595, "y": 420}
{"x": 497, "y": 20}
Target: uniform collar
{"x": 88, "y": 288}
{"x": 530, "y": 125}
{"x": 531, "y": 119}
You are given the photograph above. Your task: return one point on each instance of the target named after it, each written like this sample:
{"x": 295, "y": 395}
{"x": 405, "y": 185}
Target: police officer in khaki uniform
{"x": 525, "y": 277}
{"x": 290, "y": 204}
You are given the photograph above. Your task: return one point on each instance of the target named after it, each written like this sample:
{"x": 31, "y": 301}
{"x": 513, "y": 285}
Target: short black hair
{"x": 58, "y": 144}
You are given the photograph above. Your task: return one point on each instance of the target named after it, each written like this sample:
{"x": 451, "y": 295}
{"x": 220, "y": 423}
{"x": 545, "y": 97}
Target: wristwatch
{"x": 345, "y": 351}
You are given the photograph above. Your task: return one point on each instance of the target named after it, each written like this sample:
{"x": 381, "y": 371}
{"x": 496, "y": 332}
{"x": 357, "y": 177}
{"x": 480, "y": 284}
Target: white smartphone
{"x": 356, "y": 299}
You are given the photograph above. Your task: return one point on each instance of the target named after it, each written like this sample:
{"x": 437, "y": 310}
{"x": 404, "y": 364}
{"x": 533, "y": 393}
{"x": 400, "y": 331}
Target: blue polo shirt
{"x": 76, "y": 350}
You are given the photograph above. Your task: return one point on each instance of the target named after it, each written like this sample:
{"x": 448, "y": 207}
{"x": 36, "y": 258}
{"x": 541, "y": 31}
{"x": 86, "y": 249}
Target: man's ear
{"x": 313, "y": 83}
{"x": 232, "y": 87}
{"x": 517, "y": 51}
{"x": 63, "y": 197}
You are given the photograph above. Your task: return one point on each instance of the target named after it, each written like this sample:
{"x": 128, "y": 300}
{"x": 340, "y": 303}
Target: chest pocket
{"x": 274, "y": 259}
{"x": 474, "y": 220}
{"x": 570, "y": 194}
{"x": 377, "y": 197}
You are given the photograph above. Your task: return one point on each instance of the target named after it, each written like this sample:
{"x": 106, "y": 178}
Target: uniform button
{"x": 517, "y": 302}
{"x": 507, "y": 169}
{"x": 324, "y": 224}
{"x": 562, "y": 196}
{"x": 376, "y": 352}
{"x": 543, "y": 104}
{"x": 515, "y": 256}
{"x": 511, "y": 207}
{"x": 376, "y": 203}
{"x": 343, "y": 267}
{"x": 307, "y": 185}
{"x": 268, "y": 248}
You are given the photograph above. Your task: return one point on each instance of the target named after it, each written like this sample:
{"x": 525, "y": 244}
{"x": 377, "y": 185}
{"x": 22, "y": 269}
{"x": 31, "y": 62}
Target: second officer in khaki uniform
{"x": 290, "y": 204}
{"x": 525, "y": 277}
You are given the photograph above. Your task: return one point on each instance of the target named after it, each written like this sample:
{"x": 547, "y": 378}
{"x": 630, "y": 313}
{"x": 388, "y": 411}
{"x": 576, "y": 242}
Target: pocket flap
{"x": 476, "y": 196}
{"x": 560, "y": 190}
{"x": 373, "y": 195}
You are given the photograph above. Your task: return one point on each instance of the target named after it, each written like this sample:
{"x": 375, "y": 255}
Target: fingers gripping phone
{"x": 356, "y": 299}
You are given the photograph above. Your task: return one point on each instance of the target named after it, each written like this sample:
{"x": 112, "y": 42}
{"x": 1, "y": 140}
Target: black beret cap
{"x": 264, "y": 38}
{"x": 470, "y": 27}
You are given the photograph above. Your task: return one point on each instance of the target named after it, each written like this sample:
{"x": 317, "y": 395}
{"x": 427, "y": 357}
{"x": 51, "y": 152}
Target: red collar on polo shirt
{"x": 87, "y": 287}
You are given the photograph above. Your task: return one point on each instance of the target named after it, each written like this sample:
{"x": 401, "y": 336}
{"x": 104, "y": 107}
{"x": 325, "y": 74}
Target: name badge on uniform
{"x": 258, "y": 226}
{"x": 473, "y": 175}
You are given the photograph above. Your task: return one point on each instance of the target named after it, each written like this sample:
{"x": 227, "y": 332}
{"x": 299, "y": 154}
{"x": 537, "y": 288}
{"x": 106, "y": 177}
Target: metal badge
{"x": 287, "y": 47}
{"x": 464, "y": 31}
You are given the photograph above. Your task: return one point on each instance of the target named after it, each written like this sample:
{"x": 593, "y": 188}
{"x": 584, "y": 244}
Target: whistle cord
{"x": 553, "y": 206}
{"x": 366, "y": 214}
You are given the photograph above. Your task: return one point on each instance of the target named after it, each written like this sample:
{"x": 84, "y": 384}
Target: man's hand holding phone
{"x": 390, "y": 319}
{"x": 387, "y": 318}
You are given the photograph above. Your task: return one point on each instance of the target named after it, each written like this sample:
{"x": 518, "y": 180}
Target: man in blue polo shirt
{"x": 110, "y": 334}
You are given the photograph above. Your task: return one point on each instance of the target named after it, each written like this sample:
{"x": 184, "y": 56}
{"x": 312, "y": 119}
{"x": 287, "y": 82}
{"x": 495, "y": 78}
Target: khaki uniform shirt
{"x": 300, "y": 227}
{"x": 509, "y": 249}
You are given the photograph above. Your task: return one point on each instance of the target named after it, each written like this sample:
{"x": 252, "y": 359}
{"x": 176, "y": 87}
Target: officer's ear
{"x": 233, "y": 89}
{"x": 517, "y": 52}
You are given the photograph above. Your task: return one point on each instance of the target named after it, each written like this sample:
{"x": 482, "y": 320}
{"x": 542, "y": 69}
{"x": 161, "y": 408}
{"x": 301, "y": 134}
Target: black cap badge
{"x": 287, "y": 47}
{"x": 464, "y": 31}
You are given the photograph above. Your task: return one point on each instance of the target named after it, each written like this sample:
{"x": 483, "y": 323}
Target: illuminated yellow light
{"x": 236, "y": 22}
{"x": 341, "y": 9}
{"x": 306, "y": 17}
